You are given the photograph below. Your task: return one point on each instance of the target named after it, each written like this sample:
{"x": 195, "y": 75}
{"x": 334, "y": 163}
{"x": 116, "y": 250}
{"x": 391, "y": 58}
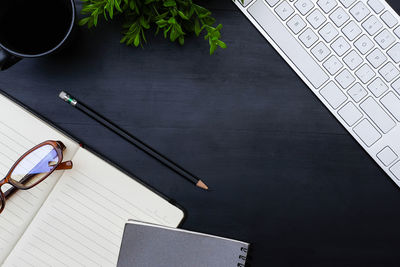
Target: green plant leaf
{"x": 137, "y": 40}
{"x": 84, "y": 21}
{"x": 174, "y": 18}
{"x": 182, "y": 15}
{"x": 169, "y": 3}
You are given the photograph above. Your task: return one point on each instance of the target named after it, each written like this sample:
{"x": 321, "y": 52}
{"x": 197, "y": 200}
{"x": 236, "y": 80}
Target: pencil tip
{"x": 202, "y": 185}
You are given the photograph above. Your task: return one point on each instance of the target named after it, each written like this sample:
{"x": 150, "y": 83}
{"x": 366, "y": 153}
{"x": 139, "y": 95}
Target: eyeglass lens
{"x": 35, "y": 166}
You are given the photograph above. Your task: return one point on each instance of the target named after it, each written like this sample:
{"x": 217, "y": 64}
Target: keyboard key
{"x": 376, "y": 58}
{"x": 394, "y": 53}
{"x": 376, "y": 6}
{"x": 339, "y": 17}
{"x": 372, "y": 25}
{"x": 308, "y": 38}
{"x": 397, "y": 31}
{"x": 365, "y": 73}
{"x": 296, "y": 24}
{"x": 389, "y": 19}
{"x": 340, "y": 46}
{"x": 351, "y": 30}
{"x": 327, "y": 5}
{"x": 333, "y": 65}
{"x": 333, "y": 95}
{"x": 357, "y": 92}
{"x": 353, "y": 60}
{"x": 316, "y": 19}
{"x": 347, "y": 3}
{"x": 376, "y": 113}
{"x": 389, "y": 72}
{"x": 367, "y": 133}
{"x": 345, "y": 78}
{"x": 359, "y": 11}
{"x": 328, "y": 32}
{"x": 385, "y": 39}
{"x": 321, "y": 51}
{"x": 350, "y": 114}
{"x": 272, "y": 3}
{"x": 284, "y": 10}
{"x": 392, "y": 103}
{"x": 396, "y": 170}
{"x": 396, "y": 86}
{"x": 378, "y": 87}
{"x": 387, "y": 156}
{"x": 364, "y": 44}
{"x": 304, "y": 6}
{"x": 303, "y": 61}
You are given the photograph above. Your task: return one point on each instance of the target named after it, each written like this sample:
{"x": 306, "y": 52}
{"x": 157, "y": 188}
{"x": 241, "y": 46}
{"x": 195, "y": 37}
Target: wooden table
{"x": 285, "y": 174}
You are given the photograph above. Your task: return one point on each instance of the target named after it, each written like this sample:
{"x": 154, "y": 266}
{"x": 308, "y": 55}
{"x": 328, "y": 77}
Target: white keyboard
{"x": 348, "y": 53}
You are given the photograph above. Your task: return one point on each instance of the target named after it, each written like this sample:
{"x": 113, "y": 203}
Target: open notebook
{"x": 75, "y": 217}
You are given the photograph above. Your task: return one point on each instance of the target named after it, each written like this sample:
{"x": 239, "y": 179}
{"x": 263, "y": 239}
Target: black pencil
{"x": 133, "y": 140}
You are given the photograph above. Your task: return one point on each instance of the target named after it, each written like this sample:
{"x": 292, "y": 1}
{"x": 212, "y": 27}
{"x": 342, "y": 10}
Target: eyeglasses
{"x": 33, "y": 167}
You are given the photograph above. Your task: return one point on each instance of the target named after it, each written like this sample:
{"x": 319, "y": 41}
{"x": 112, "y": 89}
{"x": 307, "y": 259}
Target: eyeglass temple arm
{"x": 66, "y": 165}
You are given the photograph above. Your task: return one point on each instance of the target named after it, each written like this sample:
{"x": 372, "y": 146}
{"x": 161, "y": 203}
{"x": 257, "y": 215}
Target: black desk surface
{"x": 286, "y": 176}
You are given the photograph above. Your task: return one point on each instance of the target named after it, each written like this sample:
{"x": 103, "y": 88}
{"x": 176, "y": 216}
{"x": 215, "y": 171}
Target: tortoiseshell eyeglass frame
{"x": 58, "y": 146}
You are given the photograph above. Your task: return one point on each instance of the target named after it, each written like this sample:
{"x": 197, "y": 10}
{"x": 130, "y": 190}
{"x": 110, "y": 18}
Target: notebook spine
{"x": 243, "y": 257}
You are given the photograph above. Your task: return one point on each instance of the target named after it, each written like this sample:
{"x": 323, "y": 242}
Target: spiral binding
{"x": 243, "y": 257}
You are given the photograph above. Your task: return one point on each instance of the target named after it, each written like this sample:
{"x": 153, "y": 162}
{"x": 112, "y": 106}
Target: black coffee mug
{"x": 33, "y": 28}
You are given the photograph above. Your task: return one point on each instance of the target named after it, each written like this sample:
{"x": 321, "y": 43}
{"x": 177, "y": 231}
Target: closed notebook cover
{"x": 149, "y": 245}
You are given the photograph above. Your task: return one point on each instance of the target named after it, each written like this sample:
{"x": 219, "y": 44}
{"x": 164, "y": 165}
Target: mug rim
{"x": 71, "y": 26}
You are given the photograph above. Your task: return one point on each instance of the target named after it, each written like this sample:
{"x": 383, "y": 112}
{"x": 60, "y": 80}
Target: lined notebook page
{"x": 82, "y": 221}
{"x": 20, "y": 131}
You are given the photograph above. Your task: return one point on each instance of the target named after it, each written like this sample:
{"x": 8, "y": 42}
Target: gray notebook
{"x": 150, "y": 245}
